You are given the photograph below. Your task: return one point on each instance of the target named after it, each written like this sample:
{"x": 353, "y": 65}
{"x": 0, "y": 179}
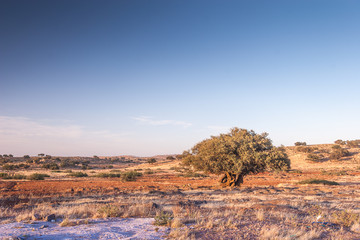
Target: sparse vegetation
{"x": 130, "y": 176}
{"x": 318, "y": 181}
{"x": 163, "y": 219}
{"x": 77, "y": 174}
{"x": 37, "y": 176}
{"x": 108, "y": 175}
{"x": 300, "y": 144}
{"x": 314, "y": 157}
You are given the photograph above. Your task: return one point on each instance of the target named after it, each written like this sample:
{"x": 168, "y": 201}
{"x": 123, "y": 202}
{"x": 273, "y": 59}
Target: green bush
{"x": 51, "y": 166}
{"x": 109, "y": 211}
{"x": 130, "y": 176}
{"x": 314, "y": 157}
{"x": 14, "y": 176}
{"x": 338, "y": 153}
{"x": 353, "y": 143}
{"x": 318, "y": 181}
{"x": 37, "y": 176}
{"x": 108, "y": 175}
{"x": 163, "y": 219}
{"x": 152, "y": 160}
{"x": 304, "y": 149}
{"x": 340, "y": 142}
{"x": 77, "y": 174}
{"x": 9, "y": 166}
{"x": 300, "y": 144}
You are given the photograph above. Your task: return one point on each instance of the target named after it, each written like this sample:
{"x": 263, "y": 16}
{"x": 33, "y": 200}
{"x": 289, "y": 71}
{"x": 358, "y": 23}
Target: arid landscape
{"x": 316, "y": 199}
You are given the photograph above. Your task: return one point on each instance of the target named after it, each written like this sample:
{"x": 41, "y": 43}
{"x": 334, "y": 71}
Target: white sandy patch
{"x": 113, "y": 228}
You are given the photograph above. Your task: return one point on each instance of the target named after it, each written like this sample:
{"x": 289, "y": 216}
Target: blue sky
{"x": 156, "y": 77}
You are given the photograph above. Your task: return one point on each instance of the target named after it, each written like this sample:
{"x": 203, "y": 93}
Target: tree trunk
{"x": 231, "y": 180}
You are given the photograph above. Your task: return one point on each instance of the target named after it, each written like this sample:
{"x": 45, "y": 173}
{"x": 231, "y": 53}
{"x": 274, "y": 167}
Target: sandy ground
{"x": 113, "y": 228}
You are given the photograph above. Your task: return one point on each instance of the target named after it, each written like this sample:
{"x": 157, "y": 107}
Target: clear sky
{"x": 156, "y": 77}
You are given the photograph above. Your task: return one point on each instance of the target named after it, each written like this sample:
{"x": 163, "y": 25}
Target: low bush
{"x": 51, "y": 166}
{"x": 130, "y": 176}
{"x": 314, "y": 157}
{"x": 163, "y": 219}
{"x": 318, "y": 181}
{"x": 77, "y": 174}
{"x": 109, "y": 211}
{"x": 300, "y": 144}
{"x": 37, "y": 176}
{"x": 304, "y": 149}
{"x": 338, "y": 153}
{"x": 108, "y": 175}
{"x": 152, "y": 160}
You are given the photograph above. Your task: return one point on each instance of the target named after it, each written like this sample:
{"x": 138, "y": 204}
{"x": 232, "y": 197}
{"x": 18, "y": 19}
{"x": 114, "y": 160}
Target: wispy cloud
{"x": 20, "y": 126}
{"x": 153, "y": 122}
{"x": 21, "y": 135}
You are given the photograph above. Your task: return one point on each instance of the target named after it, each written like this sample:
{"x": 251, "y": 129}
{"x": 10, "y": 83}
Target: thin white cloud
{"x": 20, "y": 135}
{"x": 151, "y": 121}
{"x": 25, "y": 127}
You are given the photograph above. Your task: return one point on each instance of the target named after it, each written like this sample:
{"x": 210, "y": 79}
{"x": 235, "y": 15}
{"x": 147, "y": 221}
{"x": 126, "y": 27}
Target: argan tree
{"x": 236, "y": 154}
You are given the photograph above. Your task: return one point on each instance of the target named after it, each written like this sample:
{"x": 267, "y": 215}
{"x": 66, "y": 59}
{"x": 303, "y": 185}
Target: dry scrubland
{"x": 272, "y": 205}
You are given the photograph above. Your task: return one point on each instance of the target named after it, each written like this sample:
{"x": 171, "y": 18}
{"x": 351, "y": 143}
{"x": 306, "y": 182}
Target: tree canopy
{"x": 236, "y": 154}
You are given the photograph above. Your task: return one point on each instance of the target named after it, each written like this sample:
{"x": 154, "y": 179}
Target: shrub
{"x": 318, "y": 181}
{"x": 163, "y": 219}
{"x": 338, "y": 153}
{"x": 235, "y": 155}
{"x": 67, "y": 163}
{"x": 9, "y": 167}
{"x": 340, "y": 142}
{"x": 109, "y": 211}
{"x": 108, "y": 175}
{"x": 313, "y": 157}
{"x": 353, "y": 143}
{"x": 37, "y": 176}
{"x": 191, "y": 174}
{"x": 77, "y": 174}
{"x": 170, "y": 158}
{"x": 152, "y": 160}
{"x": 51, "y": 166}
{"x": 14, "y": 176}
{"x": 149, "y": 171}
{"x": 130, "y": 176}
{"x": 300, "y": 144}
{"x": 304, "y": 149}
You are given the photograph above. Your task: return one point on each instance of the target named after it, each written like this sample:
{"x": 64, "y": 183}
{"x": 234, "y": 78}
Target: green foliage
{"x": 66, "y": 163}
{"x": 163, "y": 219}
{"x": 338, "y": 153}
{"x": 12, "y": 176}
{"x": 238, "y": 152}
{"x": 130, "y": 176}
{"x": 26, "y": 156}
{"x": 10, "y": 167}
{"x": 109, "y": 211}
{"x": 314, "y": 157}
{"x": 318, "y": 181}
{"x": 37, "y": 176}
{"x": 108, "y": 175}
{"x": 304, "y": 149}
{"x": 51, "y": 166}
{"x": 300, "y": 144}
{"x": 353, "y": 143}
{"x": 77, "y": 174}
{"x": 152, "y": 160}
{"x": 340, "y": 142}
